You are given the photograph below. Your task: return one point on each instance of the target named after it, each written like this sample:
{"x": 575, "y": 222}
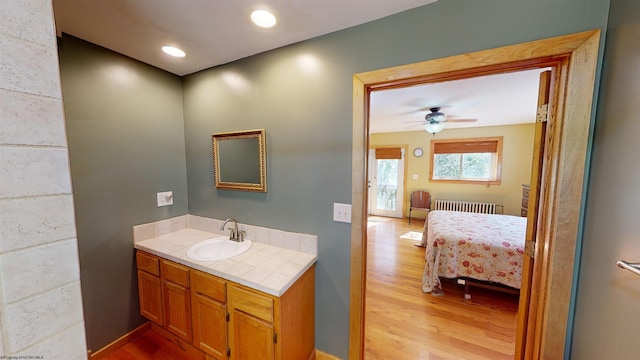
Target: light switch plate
{"x": 165, "y": 198}
{"x": 342, "y": 212}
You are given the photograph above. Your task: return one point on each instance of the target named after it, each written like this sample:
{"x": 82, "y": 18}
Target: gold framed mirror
{"x": 239, "y": 160}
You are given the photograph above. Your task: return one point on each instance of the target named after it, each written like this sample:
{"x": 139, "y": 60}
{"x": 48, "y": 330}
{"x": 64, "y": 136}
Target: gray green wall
{"x": 127, "y": 139}
{"x": 307, "y": 117}
{"x": 126, "y": 142}
{"x": 608, "y": 298}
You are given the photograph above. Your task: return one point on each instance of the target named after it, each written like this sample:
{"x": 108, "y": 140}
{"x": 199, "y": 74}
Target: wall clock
{"x": 417, "y": 152}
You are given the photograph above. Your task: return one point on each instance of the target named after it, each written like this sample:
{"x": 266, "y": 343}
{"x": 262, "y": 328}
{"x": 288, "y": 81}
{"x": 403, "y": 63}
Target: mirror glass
{"x": 239, "y": 160}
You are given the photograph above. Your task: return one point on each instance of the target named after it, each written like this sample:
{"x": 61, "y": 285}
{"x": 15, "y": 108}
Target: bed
{"x": 485, "y": 247}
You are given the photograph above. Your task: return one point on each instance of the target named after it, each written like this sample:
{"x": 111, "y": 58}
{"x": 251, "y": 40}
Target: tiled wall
{"x": 40, "y": 298}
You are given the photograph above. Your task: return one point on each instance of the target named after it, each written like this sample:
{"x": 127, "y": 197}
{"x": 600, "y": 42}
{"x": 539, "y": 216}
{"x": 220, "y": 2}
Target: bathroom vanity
{"x": 258, "y": 305}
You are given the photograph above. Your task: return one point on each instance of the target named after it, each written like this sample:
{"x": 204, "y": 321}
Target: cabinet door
{"x": 210, "y": 326}
{"x": 177, "y": 310}
{"x": 150, "y": 294}
{"x": 252, "y": 338}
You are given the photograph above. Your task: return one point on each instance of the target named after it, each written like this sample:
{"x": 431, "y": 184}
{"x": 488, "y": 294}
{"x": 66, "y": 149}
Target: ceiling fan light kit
{"x": 434, "y": 121}
{"x": 434, "y": 127}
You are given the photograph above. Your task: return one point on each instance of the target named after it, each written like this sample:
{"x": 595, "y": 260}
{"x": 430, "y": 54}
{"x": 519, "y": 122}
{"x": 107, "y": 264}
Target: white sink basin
{"x": 217, "y": 248}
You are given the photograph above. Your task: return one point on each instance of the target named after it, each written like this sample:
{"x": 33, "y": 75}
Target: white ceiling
{"x": 501, "y": 99}
{"x": 211, "y": 32}
{"x": 214, "y": 32}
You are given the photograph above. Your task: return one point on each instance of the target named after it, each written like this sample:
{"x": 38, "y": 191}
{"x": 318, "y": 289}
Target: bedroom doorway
{"x": 400, "y": 319}
{"x": 542, "y": 328}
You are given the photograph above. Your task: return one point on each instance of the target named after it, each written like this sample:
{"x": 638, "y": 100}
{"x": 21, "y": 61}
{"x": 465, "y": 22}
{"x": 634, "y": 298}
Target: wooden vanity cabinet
{"x": 268, "y": 327}
{"x": 149, "y": 287}
{"x": 225, "y": 320}
{"x": 177, "y": 299}
{"x": 208, "y": 299}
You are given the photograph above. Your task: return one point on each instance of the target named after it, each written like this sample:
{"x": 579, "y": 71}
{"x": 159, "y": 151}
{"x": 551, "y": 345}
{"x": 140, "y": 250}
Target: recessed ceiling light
{"x": 263, "y": 18}
{"x": 173, "y": 51}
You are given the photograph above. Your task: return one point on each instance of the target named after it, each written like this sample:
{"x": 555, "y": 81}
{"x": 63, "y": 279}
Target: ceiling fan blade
{"x": 416, "y": 121}
{"x": 462, "y": 120}
{"x": 411, "y": 112}
{"x": 425, "y": 109}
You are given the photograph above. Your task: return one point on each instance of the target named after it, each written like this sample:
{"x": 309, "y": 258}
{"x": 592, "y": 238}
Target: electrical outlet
{"x": 342, "y": 212}
{"x": 165, "y": 198}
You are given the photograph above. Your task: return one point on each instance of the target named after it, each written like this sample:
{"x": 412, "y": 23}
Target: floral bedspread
{"x": 480, "y": 246}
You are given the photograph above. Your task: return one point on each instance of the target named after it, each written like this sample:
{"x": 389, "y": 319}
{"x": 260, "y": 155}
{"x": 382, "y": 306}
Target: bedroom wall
{"x": 517, "y": 152}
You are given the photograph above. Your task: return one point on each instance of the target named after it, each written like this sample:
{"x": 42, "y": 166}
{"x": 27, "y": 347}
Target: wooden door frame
{"x": 574, "y": 58}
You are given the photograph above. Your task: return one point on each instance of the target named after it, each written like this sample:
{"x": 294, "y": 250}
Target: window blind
{"x": 466, "y": 147}
{"x": 388, "y": 153}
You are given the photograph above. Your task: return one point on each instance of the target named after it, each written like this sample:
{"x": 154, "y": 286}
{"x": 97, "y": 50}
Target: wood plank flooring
{"x": 151, "y": 346}
{"x": 401, "y": 322}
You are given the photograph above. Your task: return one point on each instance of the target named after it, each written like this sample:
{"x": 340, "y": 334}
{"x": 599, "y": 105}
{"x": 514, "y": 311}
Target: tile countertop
{"x": 269, "y": 269}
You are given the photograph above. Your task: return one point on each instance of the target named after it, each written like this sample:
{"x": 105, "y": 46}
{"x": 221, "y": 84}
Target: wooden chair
{"x": 420, "y": 200}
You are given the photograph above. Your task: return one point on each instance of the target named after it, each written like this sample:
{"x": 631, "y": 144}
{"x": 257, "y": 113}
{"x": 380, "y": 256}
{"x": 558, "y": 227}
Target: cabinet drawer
{"x": 525, "y": 203}
{"x": 258, "y": 305}
{"x": 208, "y": 285}
{"x": 148, "y": 263}
{"x": 175, "y": 273}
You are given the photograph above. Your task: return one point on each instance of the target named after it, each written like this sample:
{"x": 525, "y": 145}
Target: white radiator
{"x": 466, "y": 206}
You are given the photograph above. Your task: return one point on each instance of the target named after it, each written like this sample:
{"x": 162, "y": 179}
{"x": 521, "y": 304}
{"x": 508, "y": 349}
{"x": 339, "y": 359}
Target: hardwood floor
{"x": 401, "y": 322}
{"x": 151, "y": 346}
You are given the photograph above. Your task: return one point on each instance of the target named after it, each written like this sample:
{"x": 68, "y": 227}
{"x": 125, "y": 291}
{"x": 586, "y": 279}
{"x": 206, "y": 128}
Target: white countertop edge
{"x": 203, "y": 266}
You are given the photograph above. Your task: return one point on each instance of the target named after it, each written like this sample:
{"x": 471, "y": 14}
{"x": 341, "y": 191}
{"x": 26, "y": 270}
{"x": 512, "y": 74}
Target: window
{"x": 387, "y": 177}
{"x": 472, "y": 161}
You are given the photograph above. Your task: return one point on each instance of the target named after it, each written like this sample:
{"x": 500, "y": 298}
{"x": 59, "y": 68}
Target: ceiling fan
{"x": 434, "y": 121}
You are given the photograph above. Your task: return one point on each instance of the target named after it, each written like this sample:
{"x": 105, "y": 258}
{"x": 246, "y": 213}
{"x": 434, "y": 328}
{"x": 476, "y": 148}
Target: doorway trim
{"x": 575, "y": 58}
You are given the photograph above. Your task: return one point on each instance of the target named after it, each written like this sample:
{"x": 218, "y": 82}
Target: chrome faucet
{"x": 235, "y": 234}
